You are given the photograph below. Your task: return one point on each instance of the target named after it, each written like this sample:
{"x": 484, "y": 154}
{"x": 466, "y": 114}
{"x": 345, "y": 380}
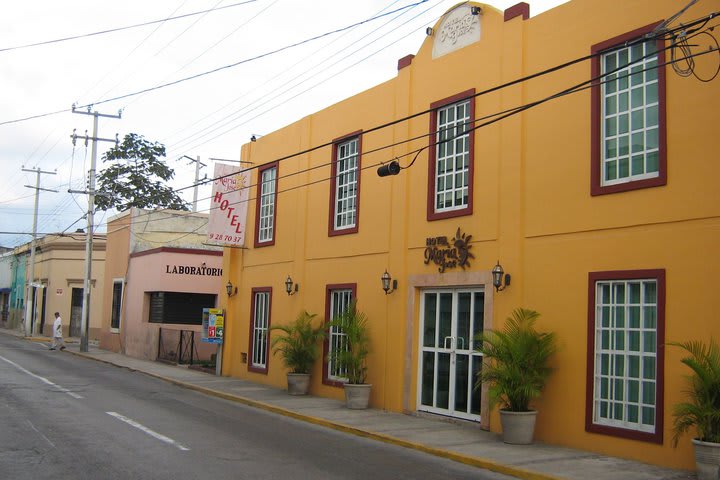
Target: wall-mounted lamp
{"x": 429, "y": 31}
{"x": 290, "y": 287}
{"x": 475, "y": 10}
{"x": 230, "y": 289}
{"x": 386, "y": 279}
{"x": 500, "y": 281}
{"x": 392, "y": 168}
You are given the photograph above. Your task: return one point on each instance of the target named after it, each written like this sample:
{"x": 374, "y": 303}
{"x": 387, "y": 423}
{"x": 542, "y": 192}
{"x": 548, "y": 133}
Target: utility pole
{"x": 30, "y": 326}
{"x": 198, "y": 163}
{"x": 85, "y": 321}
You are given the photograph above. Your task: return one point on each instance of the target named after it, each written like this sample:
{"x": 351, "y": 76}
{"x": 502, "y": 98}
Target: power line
{"x": 118, "y": 29}
{"x": 517, "y": 109}
{"x": 238, "y": 114}
{"x": 496, "y": 117}
{"x": 257, "y": 57}
{"x": 215, "y": 70}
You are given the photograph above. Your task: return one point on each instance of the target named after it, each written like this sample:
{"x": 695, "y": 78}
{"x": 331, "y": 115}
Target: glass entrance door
{"x": 450, "y": 319}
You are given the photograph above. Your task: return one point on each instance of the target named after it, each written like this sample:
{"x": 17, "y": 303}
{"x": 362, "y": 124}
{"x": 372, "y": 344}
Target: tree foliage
{"x": 516, "y": 360}
{"x": 136, "y": 176}
{"x": 702, "y": 410}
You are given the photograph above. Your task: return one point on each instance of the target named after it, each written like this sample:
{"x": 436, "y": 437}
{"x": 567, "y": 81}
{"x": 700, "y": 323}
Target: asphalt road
{"x": 66, "y": 417}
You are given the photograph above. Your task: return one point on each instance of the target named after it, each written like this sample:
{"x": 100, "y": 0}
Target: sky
{"x": 242, "y": 68}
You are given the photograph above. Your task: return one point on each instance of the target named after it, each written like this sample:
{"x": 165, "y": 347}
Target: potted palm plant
{"x": 351, "y": 355}
{"x": 515, "y": 368}
{"x": 702, "y": 410}
{"x": 299, "y": 347}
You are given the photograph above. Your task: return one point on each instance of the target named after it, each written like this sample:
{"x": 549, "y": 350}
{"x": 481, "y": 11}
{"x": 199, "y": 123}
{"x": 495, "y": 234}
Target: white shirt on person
{"x": 57, "y": 327}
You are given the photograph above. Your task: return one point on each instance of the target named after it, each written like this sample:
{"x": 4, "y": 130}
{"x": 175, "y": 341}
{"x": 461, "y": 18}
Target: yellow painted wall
{"x": 532, "y": 210}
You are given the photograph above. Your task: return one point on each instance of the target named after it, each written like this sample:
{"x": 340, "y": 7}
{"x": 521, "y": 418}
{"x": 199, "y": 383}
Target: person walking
{"x": 57, "y": 340}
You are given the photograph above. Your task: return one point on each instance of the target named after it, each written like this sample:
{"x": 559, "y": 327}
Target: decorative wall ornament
{"x": 458, "y": 28}
{"x": 449, "y": 254}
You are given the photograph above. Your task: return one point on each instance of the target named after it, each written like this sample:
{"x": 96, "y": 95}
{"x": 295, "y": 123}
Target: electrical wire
{"x": 272, "y": 90}
{"x": 287, "y": 89}
{"x": 519, "y": 109}
{"x": 118, "y": 29}
{"x": 496, "y": 117}
{"x": 215, "y": 70}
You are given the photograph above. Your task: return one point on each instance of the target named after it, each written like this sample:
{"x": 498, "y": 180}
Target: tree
{"x": 136, "y": 177}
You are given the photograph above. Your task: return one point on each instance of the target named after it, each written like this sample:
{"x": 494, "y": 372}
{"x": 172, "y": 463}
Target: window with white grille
{"x": 628, "y": 127}
{"x": 626, "y": 362}
{"x": 260, "y": 326}
{"x": 339, "y": 302}
{"x": 346, "y": 185}
{"x": 266, "y": 205}
{"x": 452, "y": 159}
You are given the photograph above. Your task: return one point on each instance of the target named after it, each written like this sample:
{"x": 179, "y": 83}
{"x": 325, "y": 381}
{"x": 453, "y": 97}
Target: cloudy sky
{"x": 258, "y": 65}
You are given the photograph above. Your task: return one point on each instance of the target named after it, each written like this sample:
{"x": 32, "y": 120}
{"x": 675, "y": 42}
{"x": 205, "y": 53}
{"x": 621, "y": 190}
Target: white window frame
{"x": 260, "y": 327}
{"x": 116, "y": 281}
{"x": 346, "y": 184}
{"x": 624, "y": 334}
{"x": 340, "y": 299}
{"x": 452, "y": 182}
{"x": 630, "y": 114}
{"x": 266, "y": 213}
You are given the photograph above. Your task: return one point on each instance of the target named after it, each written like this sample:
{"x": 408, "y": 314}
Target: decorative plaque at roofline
{"x": 459, "y": 28}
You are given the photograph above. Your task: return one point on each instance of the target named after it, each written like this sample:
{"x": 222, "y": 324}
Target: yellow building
{"x": 599, "y": 198}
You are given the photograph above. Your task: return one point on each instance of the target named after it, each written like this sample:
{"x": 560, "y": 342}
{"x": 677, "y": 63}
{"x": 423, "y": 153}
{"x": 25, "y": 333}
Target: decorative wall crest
{"x": 449, "y": 254}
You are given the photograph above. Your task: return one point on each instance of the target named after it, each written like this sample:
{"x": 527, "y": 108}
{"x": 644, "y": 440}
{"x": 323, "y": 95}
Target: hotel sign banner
{"x": 449, "y": 253}
{"x": 228, "y": 206}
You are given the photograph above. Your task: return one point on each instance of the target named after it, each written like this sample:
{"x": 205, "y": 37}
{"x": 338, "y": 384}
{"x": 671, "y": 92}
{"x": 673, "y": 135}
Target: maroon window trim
{"x": 594, "y": 277}
{"x": 326, "y": 344}
{"x": 596, "y": 186}
{"x": 251, "y": 368}
{"x": 258, "y": 201}
{"x": 432, "y": 157}
{"x": 332, "y": 231}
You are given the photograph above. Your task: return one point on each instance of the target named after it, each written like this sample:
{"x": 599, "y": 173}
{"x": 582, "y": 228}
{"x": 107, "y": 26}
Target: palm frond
{"x": 702, "y": 410}
{"x": 353, "y": 358}
{"x": 515, "y": 366}
{"x": 299, "y": 346}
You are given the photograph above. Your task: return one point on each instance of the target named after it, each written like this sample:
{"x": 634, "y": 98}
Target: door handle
{"x": 445, "y": 342}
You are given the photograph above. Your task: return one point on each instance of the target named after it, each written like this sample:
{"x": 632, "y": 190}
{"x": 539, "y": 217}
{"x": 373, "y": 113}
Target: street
{"x": 63, "y": 416}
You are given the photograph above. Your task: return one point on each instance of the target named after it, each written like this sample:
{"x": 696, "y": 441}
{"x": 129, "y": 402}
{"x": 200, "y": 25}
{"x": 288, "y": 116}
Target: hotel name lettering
{"x": 449, "y": 253}
{"x": 202, "y": 270}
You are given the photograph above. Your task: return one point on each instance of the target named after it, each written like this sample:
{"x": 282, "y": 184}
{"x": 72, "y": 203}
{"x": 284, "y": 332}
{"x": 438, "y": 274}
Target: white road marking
{"x": 42, "y": 379}
{"x": 40, "y": 433}
{"x": 152, "y": 433}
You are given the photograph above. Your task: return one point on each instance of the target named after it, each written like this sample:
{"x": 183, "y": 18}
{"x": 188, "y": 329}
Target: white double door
{"x": 448, "y": 363}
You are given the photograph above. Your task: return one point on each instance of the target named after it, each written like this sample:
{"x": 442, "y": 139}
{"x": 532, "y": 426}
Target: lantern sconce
{"x": 386, "y": 280}
{"x": 230, "y": 289}
{"x": 290, "y": 287}
{"x": 499, "y": 277}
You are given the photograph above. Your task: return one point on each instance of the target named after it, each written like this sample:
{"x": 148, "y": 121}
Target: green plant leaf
{"x": 299, "y": 347}
{"x": 702, "y": 410}
{"x": 515, "y": 361}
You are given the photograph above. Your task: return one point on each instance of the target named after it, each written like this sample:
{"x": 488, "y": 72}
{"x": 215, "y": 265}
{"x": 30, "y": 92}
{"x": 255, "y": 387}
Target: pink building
{"x": 159, "y": 276}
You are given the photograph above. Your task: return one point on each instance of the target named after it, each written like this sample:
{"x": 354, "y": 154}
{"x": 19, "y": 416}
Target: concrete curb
{"x": 466, "y": 459}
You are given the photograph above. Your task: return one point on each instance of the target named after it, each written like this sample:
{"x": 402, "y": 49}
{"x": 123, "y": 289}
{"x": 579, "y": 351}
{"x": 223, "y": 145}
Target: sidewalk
{"x": 457, "y": 441}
